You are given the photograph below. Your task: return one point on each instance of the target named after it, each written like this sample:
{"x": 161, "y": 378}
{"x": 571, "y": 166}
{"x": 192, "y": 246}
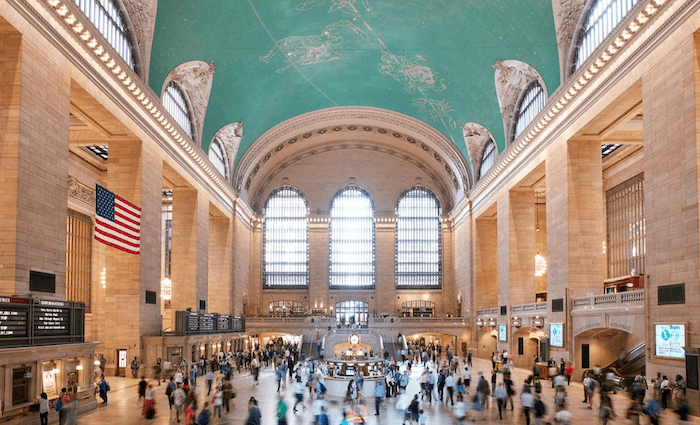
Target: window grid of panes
{"x": 603, "y": 17}
{"x": 216, "y": 156}
{"x": 174, "y": 103}
{"x": 105, "y": 15}
{"x": 101, "y": 151}
{"x": 531, "y": 105}
{"x": 608, "y": 149}
{"x": 167, "y": 239}
{"x": 418, "y": 240}
{"x": 78, "y": 258}
{"x": 488, "y": 159}
{"x": 286, "y": 240}
{"x": 626, "y": 228}
{"x": 350, "y": 312}
{"x": 352, "y": 242}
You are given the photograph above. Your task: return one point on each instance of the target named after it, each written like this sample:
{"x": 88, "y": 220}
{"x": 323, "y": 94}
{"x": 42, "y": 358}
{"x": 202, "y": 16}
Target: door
{"x": 121, "y": 363}
{"x": 585, "y": 356}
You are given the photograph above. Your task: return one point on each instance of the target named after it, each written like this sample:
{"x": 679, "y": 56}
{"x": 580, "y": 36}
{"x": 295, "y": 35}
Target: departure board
{"x": 14, "y": 317}
{"x": 223, "y": 324}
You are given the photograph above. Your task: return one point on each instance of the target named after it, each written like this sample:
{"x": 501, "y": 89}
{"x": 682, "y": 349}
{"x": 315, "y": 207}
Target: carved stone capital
{"x": 80, "y": 192}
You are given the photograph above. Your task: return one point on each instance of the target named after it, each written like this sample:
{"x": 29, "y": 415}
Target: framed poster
{"x": 49, "y": 383}
{"x": 669, "y": 340}
{"x": 556, "y": 334}
{"x": 502, "y": 332}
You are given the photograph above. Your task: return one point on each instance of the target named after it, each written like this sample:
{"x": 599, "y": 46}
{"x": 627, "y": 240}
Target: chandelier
{"x": 540, "y": 261}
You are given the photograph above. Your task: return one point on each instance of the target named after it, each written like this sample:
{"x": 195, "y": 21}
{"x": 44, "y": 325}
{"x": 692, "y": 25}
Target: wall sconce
{"x": 479, "y": 322}
{"x": 537, "y": 321}
{"x": 492, "y": 322}
{"x": 515, "y": 322}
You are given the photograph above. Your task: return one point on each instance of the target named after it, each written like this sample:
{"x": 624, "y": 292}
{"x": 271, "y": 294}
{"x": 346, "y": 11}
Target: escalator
{"x": 625, "y": 368}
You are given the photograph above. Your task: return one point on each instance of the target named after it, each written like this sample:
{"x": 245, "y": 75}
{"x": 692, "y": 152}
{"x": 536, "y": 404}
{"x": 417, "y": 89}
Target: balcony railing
{"x": 619, "y": 299}
{"x": 488, "y": 312}
{"x": 530, "y": 308}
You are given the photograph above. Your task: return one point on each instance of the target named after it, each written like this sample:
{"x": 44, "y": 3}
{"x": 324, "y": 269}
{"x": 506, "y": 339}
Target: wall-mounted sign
{"x": 479, "y": 322}
{"x": 669, "y": 340}
{"x": 492, "y": 322}
{"x": 515, "y": 322}
{"x": 556, "y": 334}
{"x": 538, "y": 321}
{"x": 502, "y": 334}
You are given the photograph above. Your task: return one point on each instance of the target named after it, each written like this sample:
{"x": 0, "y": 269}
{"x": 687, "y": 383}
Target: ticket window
{"x": 21, "y": 381}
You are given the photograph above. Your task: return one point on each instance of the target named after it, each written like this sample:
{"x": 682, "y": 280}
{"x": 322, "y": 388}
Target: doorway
{"x": 121, "y": 362}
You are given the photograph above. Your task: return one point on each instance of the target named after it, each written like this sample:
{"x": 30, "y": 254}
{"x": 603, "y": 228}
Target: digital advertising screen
{"x": 502, "y": 334}
{"x": 556, "y": 334}
{"x": 669, "y": 340}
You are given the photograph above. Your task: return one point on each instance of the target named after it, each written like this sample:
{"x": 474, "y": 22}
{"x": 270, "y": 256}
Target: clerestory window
{"x": 217, "y": 158}
{"x": 532, "y": 103}
{"x": 106, "y": 17}
{"x": 488, "y": 159}
{"x": 174, "y": 102}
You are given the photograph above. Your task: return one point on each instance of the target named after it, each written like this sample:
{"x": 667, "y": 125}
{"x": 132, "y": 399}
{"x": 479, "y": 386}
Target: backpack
{"x": 59, "y": 405}
{"x": 107, "y": 387}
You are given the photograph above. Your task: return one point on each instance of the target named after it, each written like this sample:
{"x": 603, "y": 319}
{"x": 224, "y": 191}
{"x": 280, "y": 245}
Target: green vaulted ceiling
{"x": 276, "y": 59}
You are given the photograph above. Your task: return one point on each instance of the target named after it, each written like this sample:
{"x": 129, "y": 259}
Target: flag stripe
{"x": 136, "y": 209}
{"x": 114, "y": 245}
{"x": 109, "y": 230}
{"x": 125, "y": 222}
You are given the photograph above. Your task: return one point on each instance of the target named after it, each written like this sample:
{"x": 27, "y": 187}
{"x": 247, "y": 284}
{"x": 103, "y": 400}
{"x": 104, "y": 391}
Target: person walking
{"x": 43, "y": 409}
{"x": 379, "y": 393}
{"x": 142, "y": 391}
{"x": 501, "y": 397}
{"x": 281, "y": 411}
{"x": 169, "y": 390}
{"x": 665, "y": 387}
{"x": 450, "y": 385}
{"x": 149, "y": 400}
{"x": 253, "y": 412}
{"x": 179, "y": 398}
{"x": 218, "y": 401}
{"x": 63, "y": 410}
{"x": 210, "y": 381}
{"x": 104, "y": 389}
{"x": 299, "y": 394}
{"x": 526, "y": 402}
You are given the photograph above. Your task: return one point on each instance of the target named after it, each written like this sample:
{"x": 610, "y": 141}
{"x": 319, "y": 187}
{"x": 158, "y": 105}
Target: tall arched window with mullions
{"x": 176, "y": 105}
{"x": 418, "y": 241}
{"x": 531, "y": 103}
{"x": 602, "y": 17}
{"x": 351, "y": 262}
{"x": 286, "y": 240}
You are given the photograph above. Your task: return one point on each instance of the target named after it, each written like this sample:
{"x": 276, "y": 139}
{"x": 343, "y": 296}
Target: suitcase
{"x": 150, "y": 413}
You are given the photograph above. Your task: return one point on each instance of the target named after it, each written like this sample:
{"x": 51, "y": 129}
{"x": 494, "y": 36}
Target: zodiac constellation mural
{"x": 414, "y": 73}
{"x": 311, "y": 49}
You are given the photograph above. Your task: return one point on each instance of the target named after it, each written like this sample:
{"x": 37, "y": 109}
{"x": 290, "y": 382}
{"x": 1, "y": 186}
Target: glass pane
{"x": 104, "y": 14}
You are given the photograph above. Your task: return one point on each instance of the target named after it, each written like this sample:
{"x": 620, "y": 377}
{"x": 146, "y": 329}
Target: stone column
{"x": 522, "y": 246}
{"x": 190, "y": 247}
{"x": 486, "y": 263}
{"x": 671, "y": 95}
{"x": 385, "y": 263}
{"x": 34, "y": 117}
{"x": 318, "y": 263}
{"x": 135, "y": 174}
{"x": 220, "y": 286}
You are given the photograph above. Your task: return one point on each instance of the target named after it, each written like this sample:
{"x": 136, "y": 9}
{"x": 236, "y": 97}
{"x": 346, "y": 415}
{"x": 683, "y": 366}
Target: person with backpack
{"x": 169, "y": 390}
{"x": 104, "y": 389}
{"x": 539, "y": 409}
{"x": 61, "y": 406}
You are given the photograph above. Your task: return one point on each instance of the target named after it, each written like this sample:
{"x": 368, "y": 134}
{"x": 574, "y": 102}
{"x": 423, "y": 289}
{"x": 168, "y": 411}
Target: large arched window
{"x": 488, "y": 159}
{"x": 531, "y": 104}
{"x": 603, "y": 16}
{"x": 286, "y": 240}
{"x": 351, "y": 263}
{"x": 105, "y": 15}
{"x": 418, "y": 242}
{"x": 175, "y": 104}
{"x": 217, "y": 158}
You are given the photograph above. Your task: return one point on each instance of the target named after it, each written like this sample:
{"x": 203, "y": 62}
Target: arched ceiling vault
{"x": 376, "y": 131}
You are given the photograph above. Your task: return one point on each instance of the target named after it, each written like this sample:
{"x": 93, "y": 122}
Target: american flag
{"x": 117, "y": 221}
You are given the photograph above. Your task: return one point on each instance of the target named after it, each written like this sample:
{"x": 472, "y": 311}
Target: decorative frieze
{"x": 511, "y": 78}
{"x": 80, "y": 192}
{"x": 195, "y": 77}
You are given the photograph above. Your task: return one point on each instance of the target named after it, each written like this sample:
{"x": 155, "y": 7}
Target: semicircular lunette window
{"x": 351, "y": 263}
{"x": 603, "y": 16}
{"x": 106, "y": 17}
{"x": 216, "y": 157}
{"x": 174, "y": 102}
{"x": 488, "y": 159}
{"x": 418, "y": 241}
{"x": 532, "y": 103}
{"x": 286, "y": 240}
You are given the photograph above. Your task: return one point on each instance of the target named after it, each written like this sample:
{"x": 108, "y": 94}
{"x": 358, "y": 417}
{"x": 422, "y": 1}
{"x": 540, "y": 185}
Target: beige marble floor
{"x": 123, "y": 409}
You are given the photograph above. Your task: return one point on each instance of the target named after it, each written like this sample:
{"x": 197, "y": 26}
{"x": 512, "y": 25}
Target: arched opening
{"x": 603, "y": 347}
{"x": 348, "y": 313}
{"x": 526, "y": 343}
{"x": 286, "y": 308}
{"x": 418, "y": 308}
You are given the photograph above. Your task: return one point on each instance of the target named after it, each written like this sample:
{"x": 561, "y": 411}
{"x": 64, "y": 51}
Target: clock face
{"x": 354, "y": 339}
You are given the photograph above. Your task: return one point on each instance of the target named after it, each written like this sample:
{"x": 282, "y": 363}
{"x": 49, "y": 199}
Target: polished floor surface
{"x": 123, "y": 407}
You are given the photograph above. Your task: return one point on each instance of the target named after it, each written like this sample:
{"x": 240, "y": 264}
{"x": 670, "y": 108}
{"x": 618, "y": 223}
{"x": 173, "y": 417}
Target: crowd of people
{"x": 444, "y": 378}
